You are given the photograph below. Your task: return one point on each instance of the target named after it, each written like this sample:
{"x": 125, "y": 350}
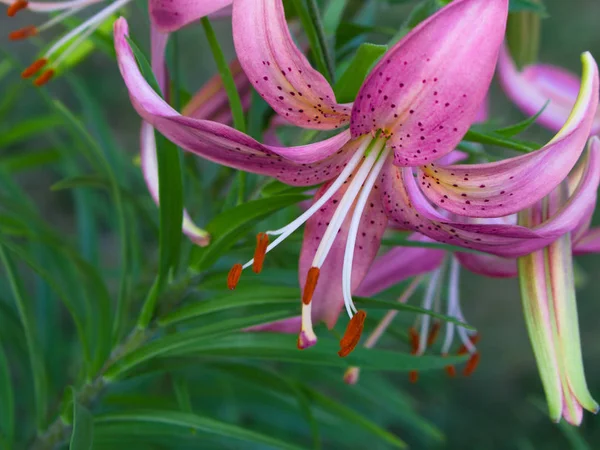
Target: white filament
{"x": 345, "y": 204}
{"x": 353, "y": 230}
{"x": 298, "y": 222}
{"x": 92, "y": 22}
{"x": 430, "y": 294}
{"x": 63, "y": 15}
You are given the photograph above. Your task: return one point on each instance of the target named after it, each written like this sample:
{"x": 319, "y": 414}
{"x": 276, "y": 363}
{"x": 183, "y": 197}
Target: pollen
{"x": 471, "y": 365}
{"x": 413, "y": 376}
{"x": 414, "y": 340}
{"x": 451, "y": 371}
{"x": 44, "y": 77}
{"x": 23, "y": 33}
{"x": 34, "y": 68}
{"x": 234, "y": 276}
{"x": 433, "y": 333}
{"x": 17, "y": 6}
{"x": 311, "y": 285}
{"x": 352, "y": 335}
{"x": 262, "y": 242}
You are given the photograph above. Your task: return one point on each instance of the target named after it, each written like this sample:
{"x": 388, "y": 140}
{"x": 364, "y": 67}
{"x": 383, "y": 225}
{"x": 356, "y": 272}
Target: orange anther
{"x": 234, "y": 276}
{"x": 23, "y": 33}
{"x": 34, "y": 68}
{"x": 262, "y": 242}
{"x": 44, "y": 77}
{"x": 414, "y": 340}
{"x": 17, "y": 6}
{"x": 463, "y": 349}
{"x": 311, "y": 284}
{"x": 413, "y": 376}
{"x": 451, "y": 371}
{"x": 352, "y": 334}
{"x": 471, "y": 365}
{"x": 433, "y": 333}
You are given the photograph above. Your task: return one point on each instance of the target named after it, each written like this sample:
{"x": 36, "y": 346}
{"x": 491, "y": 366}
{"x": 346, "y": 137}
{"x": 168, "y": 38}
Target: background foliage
{"x": 79, "y": 246}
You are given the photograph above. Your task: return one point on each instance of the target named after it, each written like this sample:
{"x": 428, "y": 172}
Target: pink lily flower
{"x": 166, "y": 16}
{"x": 537, "y": 84}
{"x": 412, "y": 110}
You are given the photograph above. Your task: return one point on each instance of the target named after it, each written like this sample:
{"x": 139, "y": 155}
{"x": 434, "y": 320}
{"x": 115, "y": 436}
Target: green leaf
{"x": 490, "y": 138}
{"x": 333, "y": 15}
{"x": 26, "y": 129}
{"x": 144, "y": 65}
{"x": 350, "y": 82}
{"x": 241, "y": 297}
{"x": 185, "y": 339}
{"x": 82, "y": 437}
{"x": 24, "y": 161}
{"x": 205, "y": 424}
{"x": 36, "y": 357}
{"x": 227, "y": 228}
{"x": 282, "y": 348}
{"x": 518, "y": 128}
{"x": 7, "y": 400}
{"x": 341, "y": 411}
{"x": 527, "y": 5}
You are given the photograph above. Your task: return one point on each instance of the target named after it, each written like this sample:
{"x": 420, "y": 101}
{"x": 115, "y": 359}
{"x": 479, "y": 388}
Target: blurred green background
{"x": 497, "y": 407}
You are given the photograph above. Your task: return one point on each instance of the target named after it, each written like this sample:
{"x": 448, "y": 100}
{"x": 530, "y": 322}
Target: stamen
{"x": 17, "y": 6}
{"x": 262, "y": 241}
{"x": 471, "y": 365}
{"x": 34, "y": 68}
{"x": 433, "y": 333}
{"x": 311, "y": 283}
{"x": 44, "y": 77}
{"x": 469, "y": 345}
{"x": 450, "y": 369}
{"x": 430, "y": 294}
{"x": 307, "y": 336}
{"x": 286, "y": 231}
{"x": 413, "y": 376}
{"x": 414, "y": 340}
{"x": 351, "y": 375}
{"x": 352, "y": 335}
{"x": 234, "y": 276}
{"x": 23, "y": 33}
{"x": 355, "y": 224}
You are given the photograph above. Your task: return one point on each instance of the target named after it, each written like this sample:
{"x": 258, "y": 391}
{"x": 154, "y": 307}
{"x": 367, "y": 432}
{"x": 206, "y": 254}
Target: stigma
{"x": 65, "y": 45}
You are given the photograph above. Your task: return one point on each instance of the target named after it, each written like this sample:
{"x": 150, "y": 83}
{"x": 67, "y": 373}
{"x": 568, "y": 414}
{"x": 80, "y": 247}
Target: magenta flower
{"x": 413, "y": 109}
{"x": 166, "y": 16}
{"x": 537, "y": 84}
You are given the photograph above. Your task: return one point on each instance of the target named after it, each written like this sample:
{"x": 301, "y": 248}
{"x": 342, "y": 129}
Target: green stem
{"x": 311, "y": 22}
{"x": 235, "y": 103}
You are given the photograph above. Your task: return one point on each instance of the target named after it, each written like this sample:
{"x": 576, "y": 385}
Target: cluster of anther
{"x": 262, "y": 242}
{"x": 24, "y": 33}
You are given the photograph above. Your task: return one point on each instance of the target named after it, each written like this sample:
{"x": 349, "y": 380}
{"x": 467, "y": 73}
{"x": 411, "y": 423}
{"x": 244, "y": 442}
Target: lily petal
{"x": 531, "y": 88}
{"x": 279, "y": 71}
{"x": 489, "y": 265}
{"x": 505, "y": 187}
{"x": 399, "y": 264}
{"x": 427, "y": 90}
{"x": 327, "y": 300}
{"x": 303, "y": 165}
{"x": 589, "y": 242}
{"x": 405, "y": 203}
{"x": 170, "y": 15}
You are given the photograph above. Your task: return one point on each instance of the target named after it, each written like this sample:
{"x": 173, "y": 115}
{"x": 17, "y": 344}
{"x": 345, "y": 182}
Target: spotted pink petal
{"x": 170, "y": 15}
{"x": 279, "y": 71}
{"x": 399, "y": 264}
{"x": 427, "y": 90}
{"x": 302, "y": 165}
{"x": 328, "y": 300}
{"x": 405, "y": 203}
{"x": 537, "y": 84}
{"x": 505, "y": 187}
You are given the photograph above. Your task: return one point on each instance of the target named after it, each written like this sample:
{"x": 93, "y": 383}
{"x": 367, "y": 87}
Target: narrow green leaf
{"x": 227, "y": 228}
{"x": 518, "y": 128}
{"x": 7, "y": 400}
{"x": 350, "y": 82}
{"x": 82, "y": 437}
{"x": 527, "y": 5}
{"x": 341, "y": 411}
{"x": 489, "y": 138}
{"x": 26, "y": 129}
{"x": 333, "y": 15}
{"x": 29, "y": 160}
{"x": 36, "y": 357}
{"x": 204, "y": 424}
{"x": 182, "y": 393}
{"x": 144, "y": 65}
